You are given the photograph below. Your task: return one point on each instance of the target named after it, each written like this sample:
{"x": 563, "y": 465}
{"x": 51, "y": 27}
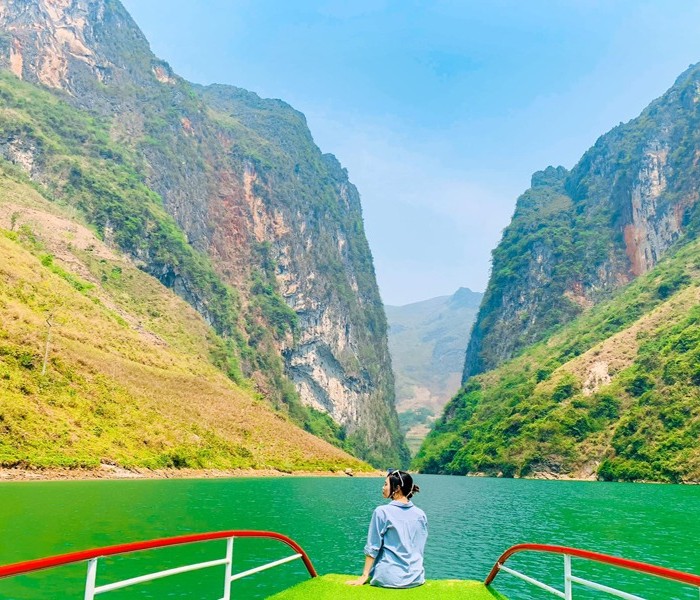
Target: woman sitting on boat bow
{"x": 396, "y": 537}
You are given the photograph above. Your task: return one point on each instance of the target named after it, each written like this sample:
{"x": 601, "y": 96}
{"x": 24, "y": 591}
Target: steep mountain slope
{"x": 100, "y": 365}
{"x": 577, "y": 237}
{"x": 219, "y": 194}
{"x": 427, "y": 341}
{"x": 615, "y": 394}
{"x": 583, "y": 358}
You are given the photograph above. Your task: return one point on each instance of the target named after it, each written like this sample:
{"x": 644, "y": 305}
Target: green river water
{"x": 471, "y": 520}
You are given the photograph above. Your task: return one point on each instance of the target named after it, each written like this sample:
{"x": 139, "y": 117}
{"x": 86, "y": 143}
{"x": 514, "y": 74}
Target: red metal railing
{"x": 663, "y": 572}
{"x": 92, "y": 555}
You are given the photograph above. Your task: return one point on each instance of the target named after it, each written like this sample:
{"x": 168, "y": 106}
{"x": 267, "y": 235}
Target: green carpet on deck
{"x": 334, "y": 587}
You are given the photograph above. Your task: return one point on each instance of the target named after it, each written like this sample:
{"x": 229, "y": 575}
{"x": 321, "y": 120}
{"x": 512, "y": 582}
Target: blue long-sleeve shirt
{"x": 396, "y": 540}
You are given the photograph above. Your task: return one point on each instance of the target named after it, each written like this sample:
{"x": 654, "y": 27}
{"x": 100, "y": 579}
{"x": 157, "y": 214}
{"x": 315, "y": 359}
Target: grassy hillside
{"x": 74, "y": 162}
{"x": 131, "y": 374}
{"x": 615, "y": 394}
{"x": 161, "y": 175}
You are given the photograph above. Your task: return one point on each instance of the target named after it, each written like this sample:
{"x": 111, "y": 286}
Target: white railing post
{"x": 567, "y": 578}
{"x": 91, "y": 579}
{"x": 229, "y": 567}
{"x": 92, "y": 590}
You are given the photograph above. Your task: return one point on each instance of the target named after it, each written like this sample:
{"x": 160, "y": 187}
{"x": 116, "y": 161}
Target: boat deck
{"x": 333, "y": 587}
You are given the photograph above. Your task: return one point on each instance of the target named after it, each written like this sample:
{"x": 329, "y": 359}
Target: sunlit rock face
{"x": 46, "y": 36}
{"x": 246, "y": 184}
{"x": 70, "y": 44}
{"x": 577, "y": 236}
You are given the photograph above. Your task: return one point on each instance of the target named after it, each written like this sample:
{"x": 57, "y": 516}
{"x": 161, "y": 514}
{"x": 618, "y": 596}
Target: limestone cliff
{"x": 248, "y": 189}
{"x": 578, "y": 236}
{"x": 612, "y": 395}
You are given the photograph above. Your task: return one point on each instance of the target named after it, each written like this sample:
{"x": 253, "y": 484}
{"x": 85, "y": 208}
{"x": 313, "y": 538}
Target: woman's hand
{"x": 362, "y": 579}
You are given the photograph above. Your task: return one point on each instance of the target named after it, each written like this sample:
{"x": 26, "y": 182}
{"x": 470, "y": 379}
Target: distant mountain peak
{"x": 464, "y": 297}
{"x": 427, "y": 341}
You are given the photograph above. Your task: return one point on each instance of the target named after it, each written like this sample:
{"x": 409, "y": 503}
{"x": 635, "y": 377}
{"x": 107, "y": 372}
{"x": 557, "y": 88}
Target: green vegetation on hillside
{"x": 100, "y": 364}
{"x": 657, "y": 438}
{"x": 550, "y": 248}
{"x": 544, "y": 412}
{"x": 576, "y": 237}
{"x": 571, "y": 369}
{"x": 83, "y": 167}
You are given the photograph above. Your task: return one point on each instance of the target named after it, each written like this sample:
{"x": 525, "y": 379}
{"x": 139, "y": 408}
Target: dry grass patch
{"x": 128, "y": 377}
{"x": 619, "y": 351}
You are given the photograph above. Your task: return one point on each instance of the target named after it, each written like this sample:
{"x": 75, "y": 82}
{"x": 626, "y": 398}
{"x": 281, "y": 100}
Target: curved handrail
{"x": 72, "y": 557}
{"x": 616, "y": 561}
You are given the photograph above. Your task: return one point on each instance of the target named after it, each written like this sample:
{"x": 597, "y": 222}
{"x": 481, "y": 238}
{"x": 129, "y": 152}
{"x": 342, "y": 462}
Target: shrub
{"x": 639, "y": 384}
{"x": 566, "y": 388}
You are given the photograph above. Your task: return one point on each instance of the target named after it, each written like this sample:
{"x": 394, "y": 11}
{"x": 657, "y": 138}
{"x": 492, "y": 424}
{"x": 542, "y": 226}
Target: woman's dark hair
{"x": 400, "y": 480}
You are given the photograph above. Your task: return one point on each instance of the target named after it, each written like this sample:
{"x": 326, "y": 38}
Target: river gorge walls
{"x": 243, "y": 181}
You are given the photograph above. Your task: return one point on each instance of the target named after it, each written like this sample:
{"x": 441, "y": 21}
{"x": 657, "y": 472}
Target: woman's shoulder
{"x": 401, "y": 508}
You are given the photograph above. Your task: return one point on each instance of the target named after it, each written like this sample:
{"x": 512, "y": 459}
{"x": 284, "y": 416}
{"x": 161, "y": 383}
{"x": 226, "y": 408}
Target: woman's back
{"x": 396, "y": 538}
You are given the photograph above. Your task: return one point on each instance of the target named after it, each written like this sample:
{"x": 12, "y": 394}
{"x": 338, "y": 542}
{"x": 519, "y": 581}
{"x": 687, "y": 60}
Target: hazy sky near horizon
{"x": 440, "y": 110}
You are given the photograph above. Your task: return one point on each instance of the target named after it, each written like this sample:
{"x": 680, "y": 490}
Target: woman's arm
{"x": 362, "y": 579}
{"x": 375, "y": 538}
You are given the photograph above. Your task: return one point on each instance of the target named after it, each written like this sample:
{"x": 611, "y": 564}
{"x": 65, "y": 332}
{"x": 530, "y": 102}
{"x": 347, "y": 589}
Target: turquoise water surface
{"x": 472, "y": 521}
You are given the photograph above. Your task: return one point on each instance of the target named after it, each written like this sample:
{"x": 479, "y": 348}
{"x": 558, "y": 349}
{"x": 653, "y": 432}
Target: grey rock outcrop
{"x": 577, "y": 236}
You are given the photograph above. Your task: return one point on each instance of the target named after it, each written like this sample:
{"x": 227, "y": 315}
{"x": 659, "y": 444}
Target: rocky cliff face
{"x": 577, "y": 236}
{"x": 244, "y": 182}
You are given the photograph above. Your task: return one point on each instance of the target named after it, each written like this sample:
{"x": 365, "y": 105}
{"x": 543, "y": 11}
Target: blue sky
{"x": 440, "y": 110}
